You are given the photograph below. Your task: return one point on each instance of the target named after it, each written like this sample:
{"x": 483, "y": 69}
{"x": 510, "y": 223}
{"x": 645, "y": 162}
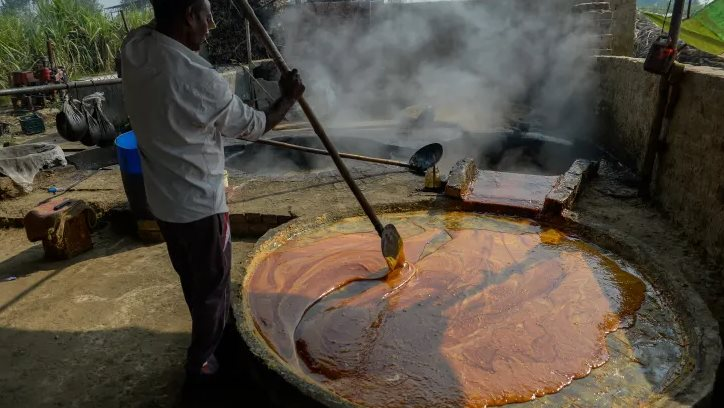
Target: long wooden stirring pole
{"x": 392, "y": 246}
{"x": 326, "y": 153}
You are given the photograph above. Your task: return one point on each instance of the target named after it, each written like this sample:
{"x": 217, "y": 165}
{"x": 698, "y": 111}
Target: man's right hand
{"x": 291, "y": 86}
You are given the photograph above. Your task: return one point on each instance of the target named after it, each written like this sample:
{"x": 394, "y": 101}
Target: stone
{"x": 509, "y": 193}
{"x": 566, "y": 190}
{"x": 461, "y": 176}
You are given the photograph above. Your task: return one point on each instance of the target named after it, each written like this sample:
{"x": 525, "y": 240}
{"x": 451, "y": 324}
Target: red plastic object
{"x": 45, "y": 75}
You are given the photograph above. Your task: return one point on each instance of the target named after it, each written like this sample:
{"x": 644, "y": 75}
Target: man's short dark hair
{"x": 167, "y": 11}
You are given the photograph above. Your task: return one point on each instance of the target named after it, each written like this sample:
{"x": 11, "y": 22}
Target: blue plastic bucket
{"x": 128, "y": 157}
{"x": 130, "y": 163}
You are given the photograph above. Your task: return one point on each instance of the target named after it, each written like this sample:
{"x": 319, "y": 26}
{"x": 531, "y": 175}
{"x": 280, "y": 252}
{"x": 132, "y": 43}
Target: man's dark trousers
{"x": 200, "y": 252}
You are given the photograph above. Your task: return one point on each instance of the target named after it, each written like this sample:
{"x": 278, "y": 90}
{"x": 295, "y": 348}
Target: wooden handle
{"x": 316, "y": 125}
{"x": 326, "y": 153}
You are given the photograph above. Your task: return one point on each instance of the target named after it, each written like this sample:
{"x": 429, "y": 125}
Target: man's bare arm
{"x": 275, "y": 112}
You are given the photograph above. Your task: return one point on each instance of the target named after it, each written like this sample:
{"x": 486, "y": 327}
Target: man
{"x": 180, "y": 108}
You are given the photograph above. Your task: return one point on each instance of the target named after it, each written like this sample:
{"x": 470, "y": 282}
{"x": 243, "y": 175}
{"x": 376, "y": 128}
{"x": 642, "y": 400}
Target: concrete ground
{"x": 110, "y": 327}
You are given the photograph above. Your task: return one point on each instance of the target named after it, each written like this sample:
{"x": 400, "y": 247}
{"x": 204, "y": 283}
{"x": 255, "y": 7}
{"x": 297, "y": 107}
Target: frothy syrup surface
{"x": 489, "y": 316}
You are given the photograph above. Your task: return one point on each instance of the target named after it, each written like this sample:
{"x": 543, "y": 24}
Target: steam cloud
{"x": 476, "y": 63}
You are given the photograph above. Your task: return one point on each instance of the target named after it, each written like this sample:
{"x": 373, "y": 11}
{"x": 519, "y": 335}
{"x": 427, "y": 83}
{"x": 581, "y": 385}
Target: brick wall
{"x": 689, "y": 179}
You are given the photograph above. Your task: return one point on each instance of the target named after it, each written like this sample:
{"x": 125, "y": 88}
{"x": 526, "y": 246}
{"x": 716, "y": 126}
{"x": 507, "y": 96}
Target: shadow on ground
{"x": 109, "y": 328}
{"x": 130, "y": 367}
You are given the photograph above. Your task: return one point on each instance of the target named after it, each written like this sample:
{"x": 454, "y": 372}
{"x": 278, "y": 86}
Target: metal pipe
{"x": 125, "y": 24}
{"x": 57, "y": 87}
{"x": 660, "y": 122}
{"x": 647, "y": 166}
{"x": 51, "y": 53}
{"x": 675, "y": 25}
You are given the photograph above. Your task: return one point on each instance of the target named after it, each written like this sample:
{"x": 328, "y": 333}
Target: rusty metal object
{"x": 669, "y": 89}
{"x": 64, "y": 227}
{"x": 57, "y": 87}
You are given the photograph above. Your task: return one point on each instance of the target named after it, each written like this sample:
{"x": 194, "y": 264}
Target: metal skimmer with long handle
{"x": 392, "y": 246}
{"x": 422, "y": 160}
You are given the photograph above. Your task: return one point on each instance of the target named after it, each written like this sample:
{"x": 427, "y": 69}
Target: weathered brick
{"x": 461, "y": 176}
{"x": 566, "y": 190}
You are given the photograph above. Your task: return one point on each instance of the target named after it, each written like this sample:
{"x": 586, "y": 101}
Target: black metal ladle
{"x": 422, "y": 160}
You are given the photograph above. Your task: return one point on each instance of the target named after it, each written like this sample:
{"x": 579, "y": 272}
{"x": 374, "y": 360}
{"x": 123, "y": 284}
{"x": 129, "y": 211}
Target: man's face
{"x": 201, "y": 21}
